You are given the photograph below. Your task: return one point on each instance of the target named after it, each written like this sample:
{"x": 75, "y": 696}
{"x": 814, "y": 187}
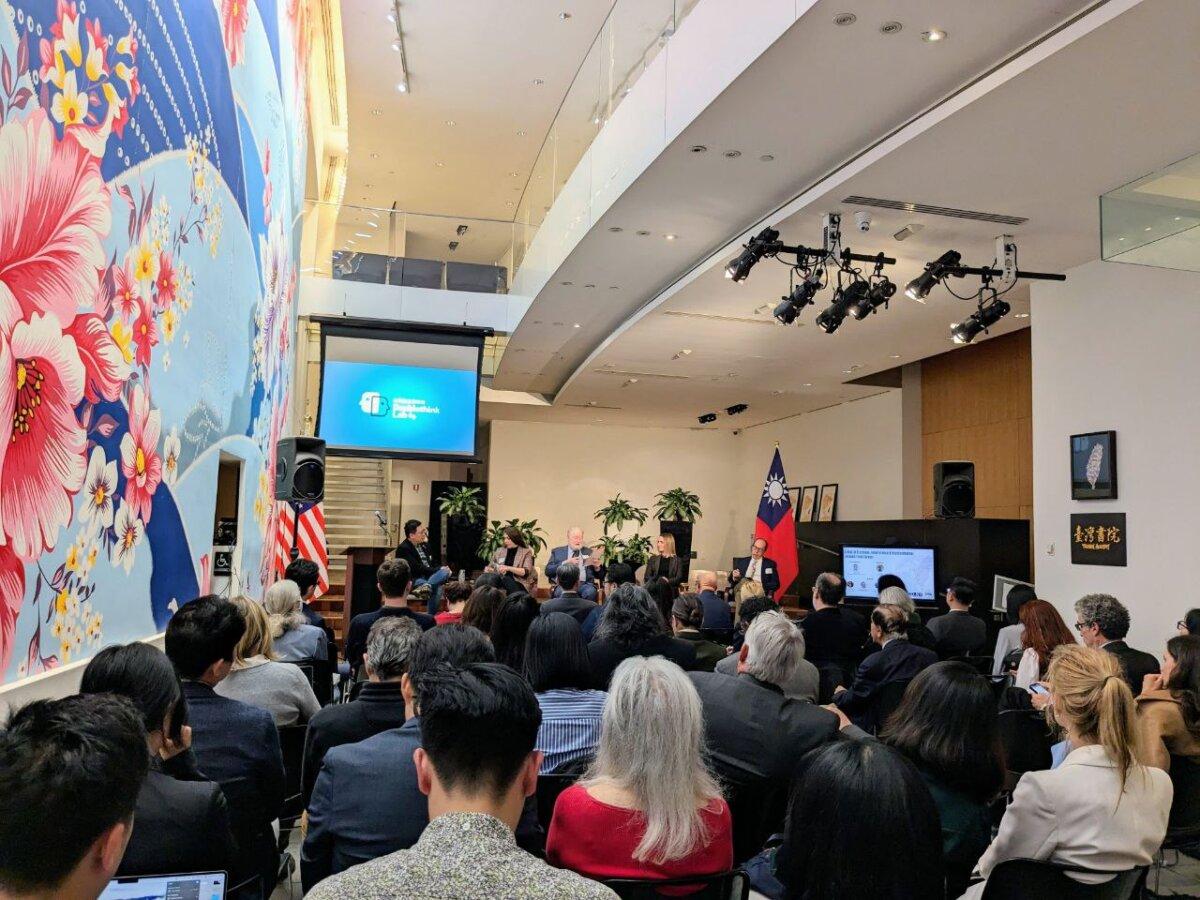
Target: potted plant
{"x": 461, "y": 515}
{"x": 636, "y": 550}
{"x": 677, "y": 510}
{"x": 611, "y": 548}
{"x": 492, "y": 540}
{"x": 462, "y": 503}
{"x": 614, "y": 514}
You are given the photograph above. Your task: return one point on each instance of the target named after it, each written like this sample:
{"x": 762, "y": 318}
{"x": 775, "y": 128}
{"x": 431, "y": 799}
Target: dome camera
{"x": 862, "y": 219}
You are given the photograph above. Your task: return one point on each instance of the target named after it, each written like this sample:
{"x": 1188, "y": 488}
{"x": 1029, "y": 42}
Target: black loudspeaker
{"x": 954, "y": 490}
{"x": 300, "y": 470}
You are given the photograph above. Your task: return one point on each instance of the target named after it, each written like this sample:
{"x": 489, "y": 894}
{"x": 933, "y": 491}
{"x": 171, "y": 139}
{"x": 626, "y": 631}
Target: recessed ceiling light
{"x": 613, "y": 287}
{"x": 642, "y": 232}
{"x": 374, "y": 156}
{"x": 895, "y": 356}
{"x": 372, "y": 224}
{"x": 566, "y": 283}
{"x": 891, "y": 28}
{"x": 508, "y": 203}
{"x": 451, "y": 122}
{"x": 806, "y": 384}
{"x": 576, "y": 325}
{"x": 847, "y": 371}
{"x": 766, "y": 157}
{"x": 368, "y": 185}
{"x": 1177, "y": 218}
{"x": 698, "y": 148}
{"x": 402, "y": 87}
{"x": 776, "y": 393}
{"x": 844, "y": 19}
{"x": 1148, "y": 228}
{"x": 440, "y": 165}
{"x": 616, "y": 229}
{"x": 377, "y": 111}
{"x": 1120, "y": 239}
{"x": 521, "y": 132}
{"x": 391, "y": 17}
{"x": 538, "y": 82}
{"x": 396, "y": 46}
{"x": 1021, "y": 316}
{"x": 589, "y": 285}
{"x": 362, "y": 234}
{"x": 933, "y": 35}
{"x": 732, "y": 154}
{"x": 564, "y": 16}
{"x": 670, "y": 237}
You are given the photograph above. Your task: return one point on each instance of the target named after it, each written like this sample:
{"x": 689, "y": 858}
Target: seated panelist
{"x": 757, "y": 567}
{"x": 586, "y": 559}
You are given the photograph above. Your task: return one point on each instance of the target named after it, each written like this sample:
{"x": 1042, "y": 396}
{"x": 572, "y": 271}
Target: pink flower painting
{"x": 235, "y": 17}
{"x": 140, "y": 463}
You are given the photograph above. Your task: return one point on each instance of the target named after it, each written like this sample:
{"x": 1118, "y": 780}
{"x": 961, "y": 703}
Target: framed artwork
{"x": 1094, "y": 466}
{"x": 806, "y": 510}
{"x": 828, "y": 505}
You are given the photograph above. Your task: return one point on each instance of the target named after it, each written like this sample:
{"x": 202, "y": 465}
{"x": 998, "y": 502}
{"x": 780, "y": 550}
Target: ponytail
{"x": 1116, "y": 719}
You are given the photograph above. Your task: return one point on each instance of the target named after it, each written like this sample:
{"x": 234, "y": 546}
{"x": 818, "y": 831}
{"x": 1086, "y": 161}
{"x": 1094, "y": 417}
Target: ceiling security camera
{"x": 862, "y": 219}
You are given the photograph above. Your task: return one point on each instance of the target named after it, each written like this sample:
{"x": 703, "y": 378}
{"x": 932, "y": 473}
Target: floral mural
{"x": 152, "y": 159}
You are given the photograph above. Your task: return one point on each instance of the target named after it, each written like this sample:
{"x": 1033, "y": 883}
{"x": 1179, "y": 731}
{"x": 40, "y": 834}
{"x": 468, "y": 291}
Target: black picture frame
{"x": 809, "y": 491}
{"x": 832, "y": 489}
{"x": 1094, "y": 465}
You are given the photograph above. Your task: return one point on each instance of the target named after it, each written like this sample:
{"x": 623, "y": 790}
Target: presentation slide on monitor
{"x": 167, "y": 887}
{"x": 399, "y": 397}
{"x": 862, "y": 566}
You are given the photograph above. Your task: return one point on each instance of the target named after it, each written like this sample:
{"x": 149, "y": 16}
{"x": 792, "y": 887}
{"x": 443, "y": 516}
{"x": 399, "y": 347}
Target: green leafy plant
{"x": 535, "y": 536}
{"x": 611, "y": 548}
{"x": 636, "y": 550}
{"x": 677, "y": 505}
{"x": 462, "y": 503}
{"x": 492, "y": 540}
{"x": 617, "y": 512}
{"x": 493, "y": 537}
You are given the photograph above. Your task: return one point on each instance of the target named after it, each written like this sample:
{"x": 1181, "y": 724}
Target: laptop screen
{"x": 194, "y": 886}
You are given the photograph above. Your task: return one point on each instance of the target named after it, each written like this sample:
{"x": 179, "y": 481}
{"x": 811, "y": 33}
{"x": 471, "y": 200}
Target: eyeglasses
{"x": 1079, "y": 626}
{"x": 1181, "y": 625}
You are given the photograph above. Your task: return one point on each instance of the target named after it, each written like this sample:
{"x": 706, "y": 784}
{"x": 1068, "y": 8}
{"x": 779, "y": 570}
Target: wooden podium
{"x": 362, "y": 593}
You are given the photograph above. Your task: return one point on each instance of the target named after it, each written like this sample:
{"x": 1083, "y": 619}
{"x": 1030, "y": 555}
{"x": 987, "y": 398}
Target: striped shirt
{"x": 570, "y": 726}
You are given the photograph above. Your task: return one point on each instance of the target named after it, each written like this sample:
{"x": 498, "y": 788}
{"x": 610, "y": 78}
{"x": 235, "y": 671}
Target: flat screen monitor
{"x": 399, "y": 392}
{"x": 862, "y": 565}
{"x": 191, "y": 886}
{"x": 1001, "y": 585}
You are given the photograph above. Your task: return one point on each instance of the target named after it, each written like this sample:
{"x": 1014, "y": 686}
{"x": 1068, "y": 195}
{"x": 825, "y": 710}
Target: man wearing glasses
{"x": 414, "y": 550}
{"x": 1102, "y": 622}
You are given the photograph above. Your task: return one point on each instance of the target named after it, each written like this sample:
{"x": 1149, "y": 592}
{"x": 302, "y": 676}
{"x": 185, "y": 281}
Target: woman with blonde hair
{"x": 648, "y": 806}
{"x": 292, "y": 637}
{"x": 1101, "y": 809}
{"x": 665, "y": 563}
{"x": 256, "y": 678}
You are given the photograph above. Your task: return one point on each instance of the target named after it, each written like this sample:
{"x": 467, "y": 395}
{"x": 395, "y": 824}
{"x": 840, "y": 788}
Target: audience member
{"x": 509, "y": 628}
{"x": 585, "y": 560}
{"x": 1102, "y": 622}
{"x": 307, "y": 576}
{"x": 513, "y": 562}
{"x": 558, "y": 670}
{"x": 614, "y": 576}
{"x": 887, "y": 580}
{"x": 717, "y": 616}
{"x": 366, "y": 802}
{"x": 752, "y": 730}
{"x": 292, "y": 638}
{"x": 918, "y": 634}
{"x": 70, "y": 775}
{"x": 477, "y": 764}
{"x": 754, "y": 600}
{"x": 664, "y": 563}
{"x": 804, "y": 683}
{"x": 393, "y": 579}
{"x": 1101, "y": 809}
{"x": 648, "y": 807}
{"x": 256, "y": 678}
{"x": 423, "y": 567}
{"x": 663, "y": 593}
{"x": 947, "y": 725}
{"x": 488, "y": 579}
{"x": 631, "y": 625}
{"x": 236, "y": 744}
{"x": 454, "y": 599}
{"x": 1169, "y": 705}
{"x": 1190, "y": 623}
{"x": 862, "y": 825}
{"x": 379, "y": 705}
{"x": 687, "y": 615}
{"x": 895, "y": 660}
{"x": 1008, "y": 638}
{"x": 756, "y": 567}
{"x": 182, "y": 819}
{"x": 833, "y": 633}
{"x": 958, "y": 632}
{"x": 1042, "y": 630}
{"x": 745, "y": 590}
{"x": 481, "y": 607}
{"x": 569, "y": 600}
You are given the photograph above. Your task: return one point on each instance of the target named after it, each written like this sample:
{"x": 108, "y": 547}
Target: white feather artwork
{"x": 1093, "y": 464}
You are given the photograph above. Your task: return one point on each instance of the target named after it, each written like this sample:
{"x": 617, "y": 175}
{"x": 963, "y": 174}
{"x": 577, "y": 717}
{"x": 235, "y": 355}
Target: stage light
{"x": 877, "y": 295}
{"x": 972, "y": 326}
{"x": 831, "y": 319}
{"x": 786, "y": 312}
{"x": 736, "y": 408}
{"x": 757, "y": 247}
{"x": 801, "y": 296}
{"x": 708, "y": 417}
{"x": 919, "y": 287}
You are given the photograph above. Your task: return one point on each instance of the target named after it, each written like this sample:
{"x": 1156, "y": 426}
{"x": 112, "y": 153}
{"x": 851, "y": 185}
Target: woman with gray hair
{"x": 631, "y": 625}
{"x": 648, "y": 806}
{"x": 293, "y": 639}
{"x": 918, "y": 634}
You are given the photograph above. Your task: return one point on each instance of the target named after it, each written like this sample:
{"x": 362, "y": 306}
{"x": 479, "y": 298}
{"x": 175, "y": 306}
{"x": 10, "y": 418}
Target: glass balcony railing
{"x": 1155, "y": 220}
{"x": 386, "y": 246}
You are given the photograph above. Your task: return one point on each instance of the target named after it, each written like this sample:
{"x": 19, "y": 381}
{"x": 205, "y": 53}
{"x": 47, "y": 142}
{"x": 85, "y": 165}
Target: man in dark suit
{"x": 235, "y": 744}
{"x": 580, "y": 556}
{"x": 394, "y": 580}
{"x": 958, "y": 632}
{"x": 379, "y": 706}
{"x": 366, "y": 802}
{"x": 756, "y": 567}
{"x": 833, "y": 633}
{"x": 897, "y": 660}
{"x": 422, "y": 565}
{"x": 307, "y": 574}
{"x": 717, "y": 616}
{"x": 569, "y": 600}
{"x": 1102, "y": 622}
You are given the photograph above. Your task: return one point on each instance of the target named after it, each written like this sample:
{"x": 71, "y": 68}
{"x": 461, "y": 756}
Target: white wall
{"x": 1114, "y": 347}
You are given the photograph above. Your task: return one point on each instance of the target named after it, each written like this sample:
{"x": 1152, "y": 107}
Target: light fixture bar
{"x": 404, "y": 86}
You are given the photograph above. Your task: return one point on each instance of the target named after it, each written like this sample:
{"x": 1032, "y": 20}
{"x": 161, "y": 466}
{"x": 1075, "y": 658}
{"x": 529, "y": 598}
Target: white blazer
{"x": 1070, "y": 815}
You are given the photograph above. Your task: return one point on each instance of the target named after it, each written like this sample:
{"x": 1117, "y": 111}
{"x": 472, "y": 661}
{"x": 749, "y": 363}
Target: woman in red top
{"x": 454, "y": 598}
{"x": 648, "y": 807}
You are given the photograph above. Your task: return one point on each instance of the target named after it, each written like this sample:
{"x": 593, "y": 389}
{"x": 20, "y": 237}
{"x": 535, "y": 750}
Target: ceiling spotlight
{"x": 538, "y": 82}
{"x": 451, "y": 123}
{"x": 908, "y": 231}
{"x": 757, "y": 247}
{"x": 682, "y": 353}
{"x": 707, "y": 417}
{"x": 919, "y": 288}
{"x": 971, "y": 327}
{"x": 736, "y": 409}
{"x": 876, "y": 296}
{"x": 801, "y": 296}
{"x": 374, "y": 156}
{"x": 460, "y": 230}
{"x": 933, "y": 35}
{"x": 453, "y": 245}
{"x": 670, "y": 237}
{"x": 521, "y": 132}
{"x": 377, "y": 111}
{"x": 402, "y": 87}
{"x": 564, "y": 16}
{"x": 831, "y": 319}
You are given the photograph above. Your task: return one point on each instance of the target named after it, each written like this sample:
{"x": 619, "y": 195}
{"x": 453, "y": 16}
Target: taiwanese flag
{"x": 777, "y": 526}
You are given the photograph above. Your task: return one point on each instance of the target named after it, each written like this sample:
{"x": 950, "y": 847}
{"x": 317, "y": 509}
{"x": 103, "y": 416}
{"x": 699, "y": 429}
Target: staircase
{"x": 354, "y": 489}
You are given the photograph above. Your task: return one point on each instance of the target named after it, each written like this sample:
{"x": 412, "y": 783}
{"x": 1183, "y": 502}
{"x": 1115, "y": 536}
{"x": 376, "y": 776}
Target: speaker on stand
{"x": 299, "y": 476}
{"x": 954, "y": 490}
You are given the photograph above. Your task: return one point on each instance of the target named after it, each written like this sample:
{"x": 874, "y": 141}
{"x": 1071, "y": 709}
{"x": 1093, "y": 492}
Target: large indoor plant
{"x": 493, "y": 538}
{"x": 462, "y": 503}
{"x": 677, "y": 510}
{"x": 614, "y": 514}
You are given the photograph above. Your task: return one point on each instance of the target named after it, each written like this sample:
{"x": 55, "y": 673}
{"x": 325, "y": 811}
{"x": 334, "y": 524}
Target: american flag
{"x": 310, "y": 540}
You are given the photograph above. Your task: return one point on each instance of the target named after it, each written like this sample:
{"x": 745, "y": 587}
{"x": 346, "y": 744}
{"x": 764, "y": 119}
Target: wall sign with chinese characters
{"x": 1098, "y": 539}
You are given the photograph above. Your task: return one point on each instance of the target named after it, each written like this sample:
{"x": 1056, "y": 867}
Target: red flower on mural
{"x": 104, "y": 366}
{"x": 126, "y": 292}
{"x": 145, "y": 334}
{"x": 166, "y": 285}
{"x": 12, "y": 590}
{"x": 235, "y": 17}
{"x": 140, "y": 463}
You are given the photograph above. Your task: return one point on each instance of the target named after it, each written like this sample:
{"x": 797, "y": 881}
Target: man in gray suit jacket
{"x": 804, "y": 684}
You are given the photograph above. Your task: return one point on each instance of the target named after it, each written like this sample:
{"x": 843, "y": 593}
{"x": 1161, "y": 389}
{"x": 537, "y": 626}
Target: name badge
{"x": 768, "y": 571}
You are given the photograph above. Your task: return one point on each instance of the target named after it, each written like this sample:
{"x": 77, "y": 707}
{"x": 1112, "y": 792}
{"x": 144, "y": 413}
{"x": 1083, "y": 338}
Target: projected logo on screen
{"x": 375, "y": 404}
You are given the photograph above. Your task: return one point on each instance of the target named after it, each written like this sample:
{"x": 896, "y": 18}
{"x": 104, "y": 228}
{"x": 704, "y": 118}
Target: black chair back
{"x": 1021, "y": 879}
{"x": 550, "y": 785}
{"x": 722, "y": 636}
{"x": 832, "y": 675}
{"x": 291, "y": 743}
{"x": 319, "y": 673}
{"x": 733, "y": 885}
{"x": 1184, "y": 825}
{"x": 1025, "y": 738}
{"x": 981, "y": 664}
{"x": 758, "y": 811}
{"x": 884, "y": 703}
